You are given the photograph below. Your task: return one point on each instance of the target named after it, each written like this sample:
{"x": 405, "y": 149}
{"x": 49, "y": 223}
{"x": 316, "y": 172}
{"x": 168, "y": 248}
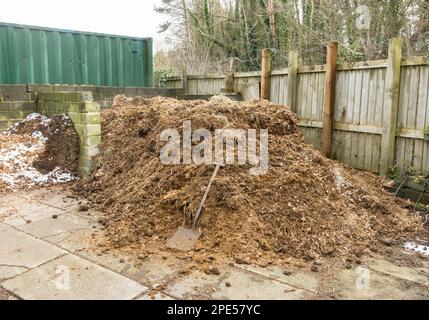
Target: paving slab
{"x": 11, "y": 198}
{"x": 158, "y": 296}
{"x": 52, "y": 198}
{"x": 72, "y": 278}
{"x": 424, "y": 268}
{"x": 245, "y": 286}
{"x": 299, "y": 279}
{"x": 20, "y": 250}
{"x": 406, "y": 273}
{"x": 196, "y": 285}
{"x": 349, "y": 285}
{"x": 31, "y": 212}
{"x": 5, "y": 295}
{"x": 10, "y": 209}
{"x": 6, "y": 210}
{"x": 7, "y": 272}
{"x": 64, "y": 223}
{"x": 151, "y": 271}
{"x": 4, "y": 227}
{"x": 73, "y": 241}
{"x": 19, "y": 203}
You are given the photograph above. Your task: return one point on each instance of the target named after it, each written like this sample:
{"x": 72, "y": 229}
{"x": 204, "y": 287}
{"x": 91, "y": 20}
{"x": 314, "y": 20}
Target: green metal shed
{"x": 36, "y": 55}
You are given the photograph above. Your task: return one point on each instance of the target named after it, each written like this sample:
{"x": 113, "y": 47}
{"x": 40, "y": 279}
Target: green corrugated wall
{"x": 34, "y": 55}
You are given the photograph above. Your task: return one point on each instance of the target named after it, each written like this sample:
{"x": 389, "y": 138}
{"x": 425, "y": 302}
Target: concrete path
{"x": 45, "y": 253}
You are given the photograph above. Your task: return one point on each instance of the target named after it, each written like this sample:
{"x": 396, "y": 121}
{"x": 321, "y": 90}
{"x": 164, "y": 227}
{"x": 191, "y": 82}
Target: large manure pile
{"x": 305, "y": 207}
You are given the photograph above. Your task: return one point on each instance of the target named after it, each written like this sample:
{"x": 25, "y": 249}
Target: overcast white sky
{"x": 125, "y": 17}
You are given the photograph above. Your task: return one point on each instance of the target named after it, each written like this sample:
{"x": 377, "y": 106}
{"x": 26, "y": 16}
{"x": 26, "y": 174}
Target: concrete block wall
{"x": 105, "y": 95}
{"x": 81, "y": 108}
{"x": 16, "y": 103}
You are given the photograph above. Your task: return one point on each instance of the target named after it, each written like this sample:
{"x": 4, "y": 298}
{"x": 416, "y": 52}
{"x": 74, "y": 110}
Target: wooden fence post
{"x": 229, "y": 79}
{"x": 391, "y": 105}
{"x": 292, "y": 79}
{"x": 265, "y": 74}
{"x": 329, "y": 98}
{"x": 184, "y": 78}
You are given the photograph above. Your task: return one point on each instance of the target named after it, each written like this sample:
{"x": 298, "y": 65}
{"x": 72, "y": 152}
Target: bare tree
{"x": 210, "y": 32}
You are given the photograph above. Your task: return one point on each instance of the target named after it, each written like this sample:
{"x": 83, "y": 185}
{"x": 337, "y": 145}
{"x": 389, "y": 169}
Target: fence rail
{"x": 381, "y": 108}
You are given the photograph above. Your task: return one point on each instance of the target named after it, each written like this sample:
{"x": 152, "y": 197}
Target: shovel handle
{"x": 203, "y": 201}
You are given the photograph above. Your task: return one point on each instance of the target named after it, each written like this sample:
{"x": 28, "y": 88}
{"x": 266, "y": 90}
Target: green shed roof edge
{"x": 14, "y": 25}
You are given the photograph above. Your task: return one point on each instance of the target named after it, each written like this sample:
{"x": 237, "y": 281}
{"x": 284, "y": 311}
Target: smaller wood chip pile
{"x": 38, "y": 151}
{"x": 305, "y": 207}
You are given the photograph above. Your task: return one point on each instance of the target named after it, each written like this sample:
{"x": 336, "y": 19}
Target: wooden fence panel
{"x": 360, "y": 103}
{"x": 279, "y": 84}
{"x": 248, "y": 86}
{"x": 309, "y": 105}
{"x": 358, "y": 109}
{"x": 173, "y": 82}
{"x": 312, "y": 136}
{"x": 209, "y": 85}
{"x": 412, "y": 151}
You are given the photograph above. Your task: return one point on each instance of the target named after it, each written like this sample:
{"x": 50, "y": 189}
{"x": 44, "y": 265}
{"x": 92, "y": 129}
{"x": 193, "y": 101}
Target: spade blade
{"x": 184, "y": 239}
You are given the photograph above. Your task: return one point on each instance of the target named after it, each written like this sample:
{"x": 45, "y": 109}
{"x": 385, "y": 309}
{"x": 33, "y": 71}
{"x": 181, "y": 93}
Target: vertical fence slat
{"x": 363, "y": 121}
{"x": 422, "y": 119}
{"x": 299, "y": 97}
{"x": 184, "y": 79}
{"x": 356, "y": 137}
{"x": 314, "y": 90}
{"x": 412, "y": 114}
